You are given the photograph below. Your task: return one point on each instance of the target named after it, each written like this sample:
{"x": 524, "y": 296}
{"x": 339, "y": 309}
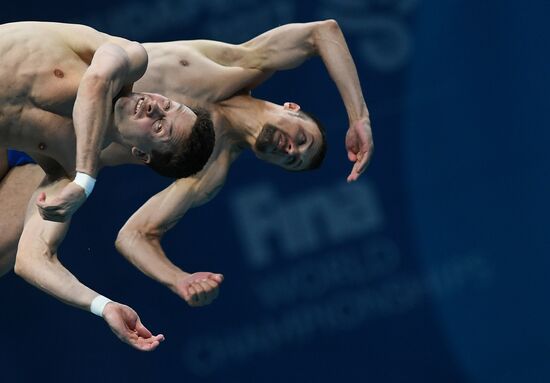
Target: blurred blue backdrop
{"x": 432, "y": 268}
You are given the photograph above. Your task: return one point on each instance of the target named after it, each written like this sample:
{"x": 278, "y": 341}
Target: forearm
{"x": 145, "y": 252}
{"x": 49, "y": 275}
{"x": 113, "y": 68}
{"x": 91, "y": 117}
{"x": 288, "y": 46}
{"x": 36, "y": 259}
{"x": 331, "y": 46}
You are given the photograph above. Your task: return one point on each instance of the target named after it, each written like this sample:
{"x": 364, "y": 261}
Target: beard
{"x": 264, "y": 142}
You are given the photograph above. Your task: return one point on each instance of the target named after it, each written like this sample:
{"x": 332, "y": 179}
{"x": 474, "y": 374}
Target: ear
{"x": 291, "y": 106}
{"x": 141, "y": 155}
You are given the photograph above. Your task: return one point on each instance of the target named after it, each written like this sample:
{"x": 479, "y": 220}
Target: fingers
{"x": 216, "y": 277}
{"x": 139, "y": 337}
{"x": 53, "y": 216}
{"x": 360, "y": 165}
{"x": 142, "y": 330}
{"x": 146, "y": 344}
{"x": 201, "y": 288}
{"x": 201, "y": 293}
{"x": 47, "y": 213}
{"x": 211, "y": 289}
{"x": 51, "y": 210}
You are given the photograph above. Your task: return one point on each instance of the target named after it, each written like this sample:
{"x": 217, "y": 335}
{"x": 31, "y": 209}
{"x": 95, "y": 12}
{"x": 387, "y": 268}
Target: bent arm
{"x": 38, "y": 264}
{"x": 288, "y": 46}
{"x": 113, "y": 68}
{"x": 139, "y": 241}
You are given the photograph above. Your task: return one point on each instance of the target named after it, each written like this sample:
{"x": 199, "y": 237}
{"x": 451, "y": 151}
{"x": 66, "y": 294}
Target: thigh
{"x": 16, "y": 189}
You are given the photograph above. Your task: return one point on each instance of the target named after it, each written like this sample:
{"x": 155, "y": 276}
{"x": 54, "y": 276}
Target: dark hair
{"x": 317, "y": 160}
{"x": 192, "y": 155}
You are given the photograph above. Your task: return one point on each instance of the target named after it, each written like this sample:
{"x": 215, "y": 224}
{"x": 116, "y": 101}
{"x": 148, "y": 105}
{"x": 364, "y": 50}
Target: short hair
{"x": 317, "y": 160}
{"x": 192, "y": 155}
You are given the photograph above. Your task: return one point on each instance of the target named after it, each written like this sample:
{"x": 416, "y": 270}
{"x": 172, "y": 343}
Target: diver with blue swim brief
{"x": 17, "y": 158}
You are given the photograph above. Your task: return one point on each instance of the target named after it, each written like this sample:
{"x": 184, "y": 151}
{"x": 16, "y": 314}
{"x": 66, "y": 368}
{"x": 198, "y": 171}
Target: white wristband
{"x": 98, "y": 305}
{"x": 85, "y": 182}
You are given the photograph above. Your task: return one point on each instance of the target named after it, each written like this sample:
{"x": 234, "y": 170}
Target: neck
{"x": 113, "y": 136}
{"x": 246, "y": 116}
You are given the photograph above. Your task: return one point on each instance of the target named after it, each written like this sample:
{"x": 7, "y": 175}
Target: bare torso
{"x": 176, "y": 70}
{"x": 42, "y": 64}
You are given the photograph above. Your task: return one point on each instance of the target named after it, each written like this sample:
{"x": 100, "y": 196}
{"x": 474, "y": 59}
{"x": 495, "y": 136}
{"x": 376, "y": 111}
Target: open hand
{"x": 62, "y": 206}
{"x": 359, "y": 147}
{"x": 125, "y": 323}
{"x": 199, "y": 289}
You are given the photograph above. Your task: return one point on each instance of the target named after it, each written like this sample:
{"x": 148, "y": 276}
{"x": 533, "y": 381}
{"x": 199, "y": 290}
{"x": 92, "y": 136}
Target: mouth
{"x": 139, "y": 106}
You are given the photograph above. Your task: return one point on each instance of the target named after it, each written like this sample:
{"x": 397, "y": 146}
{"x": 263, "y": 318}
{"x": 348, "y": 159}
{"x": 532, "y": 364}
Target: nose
{"x": 290, "y": 147}
{"x": 153, "y": 109}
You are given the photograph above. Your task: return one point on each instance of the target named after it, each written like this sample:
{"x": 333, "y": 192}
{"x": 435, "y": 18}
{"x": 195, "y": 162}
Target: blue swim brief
{"x": 16, "y": 158}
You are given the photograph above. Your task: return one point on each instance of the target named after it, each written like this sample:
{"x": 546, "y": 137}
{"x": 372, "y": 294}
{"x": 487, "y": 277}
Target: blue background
{"x": 432, "y": 268}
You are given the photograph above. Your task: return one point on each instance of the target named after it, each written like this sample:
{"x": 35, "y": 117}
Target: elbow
{"x": 23, "y": 266}
{"x": 330, "y": 23}
{"x": 323, "y": 30}
{"x": 137, "y": 60}
{"x": 123, "y": 238}
{"x": 33, "y": 258}
{"x": 329, "y": 26}
{"x": 132, "y": 238}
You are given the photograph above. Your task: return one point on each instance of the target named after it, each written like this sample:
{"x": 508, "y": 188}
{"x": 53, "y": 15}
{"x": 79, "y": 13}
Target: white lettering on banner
{"x": 378, "y": 27}
{"x": 344, "y": 310}
{"x": 311, "y": 278}
{"x": 269, "y": 225}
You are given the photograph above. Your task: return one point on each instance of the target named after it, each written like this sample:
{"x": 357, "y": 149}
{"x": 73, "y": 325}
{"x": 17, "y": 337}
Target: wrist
{"x": 86, "y": 182}
{"x": 179, "y": 276}
{"x": 98, "y": 304}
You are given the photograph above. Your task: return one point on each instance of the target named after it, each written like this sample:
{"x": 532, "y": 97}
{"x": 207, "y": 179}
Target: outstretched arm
{"x": 114, "y": 67}
{"x": 38, "y": 264}
{"x": 139, "y": 241}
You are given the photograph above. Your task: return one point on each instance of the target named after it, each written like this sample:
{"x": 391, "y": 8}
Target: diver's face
{"x": 149, "y": 121}
{"x": 291, "y": 141}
